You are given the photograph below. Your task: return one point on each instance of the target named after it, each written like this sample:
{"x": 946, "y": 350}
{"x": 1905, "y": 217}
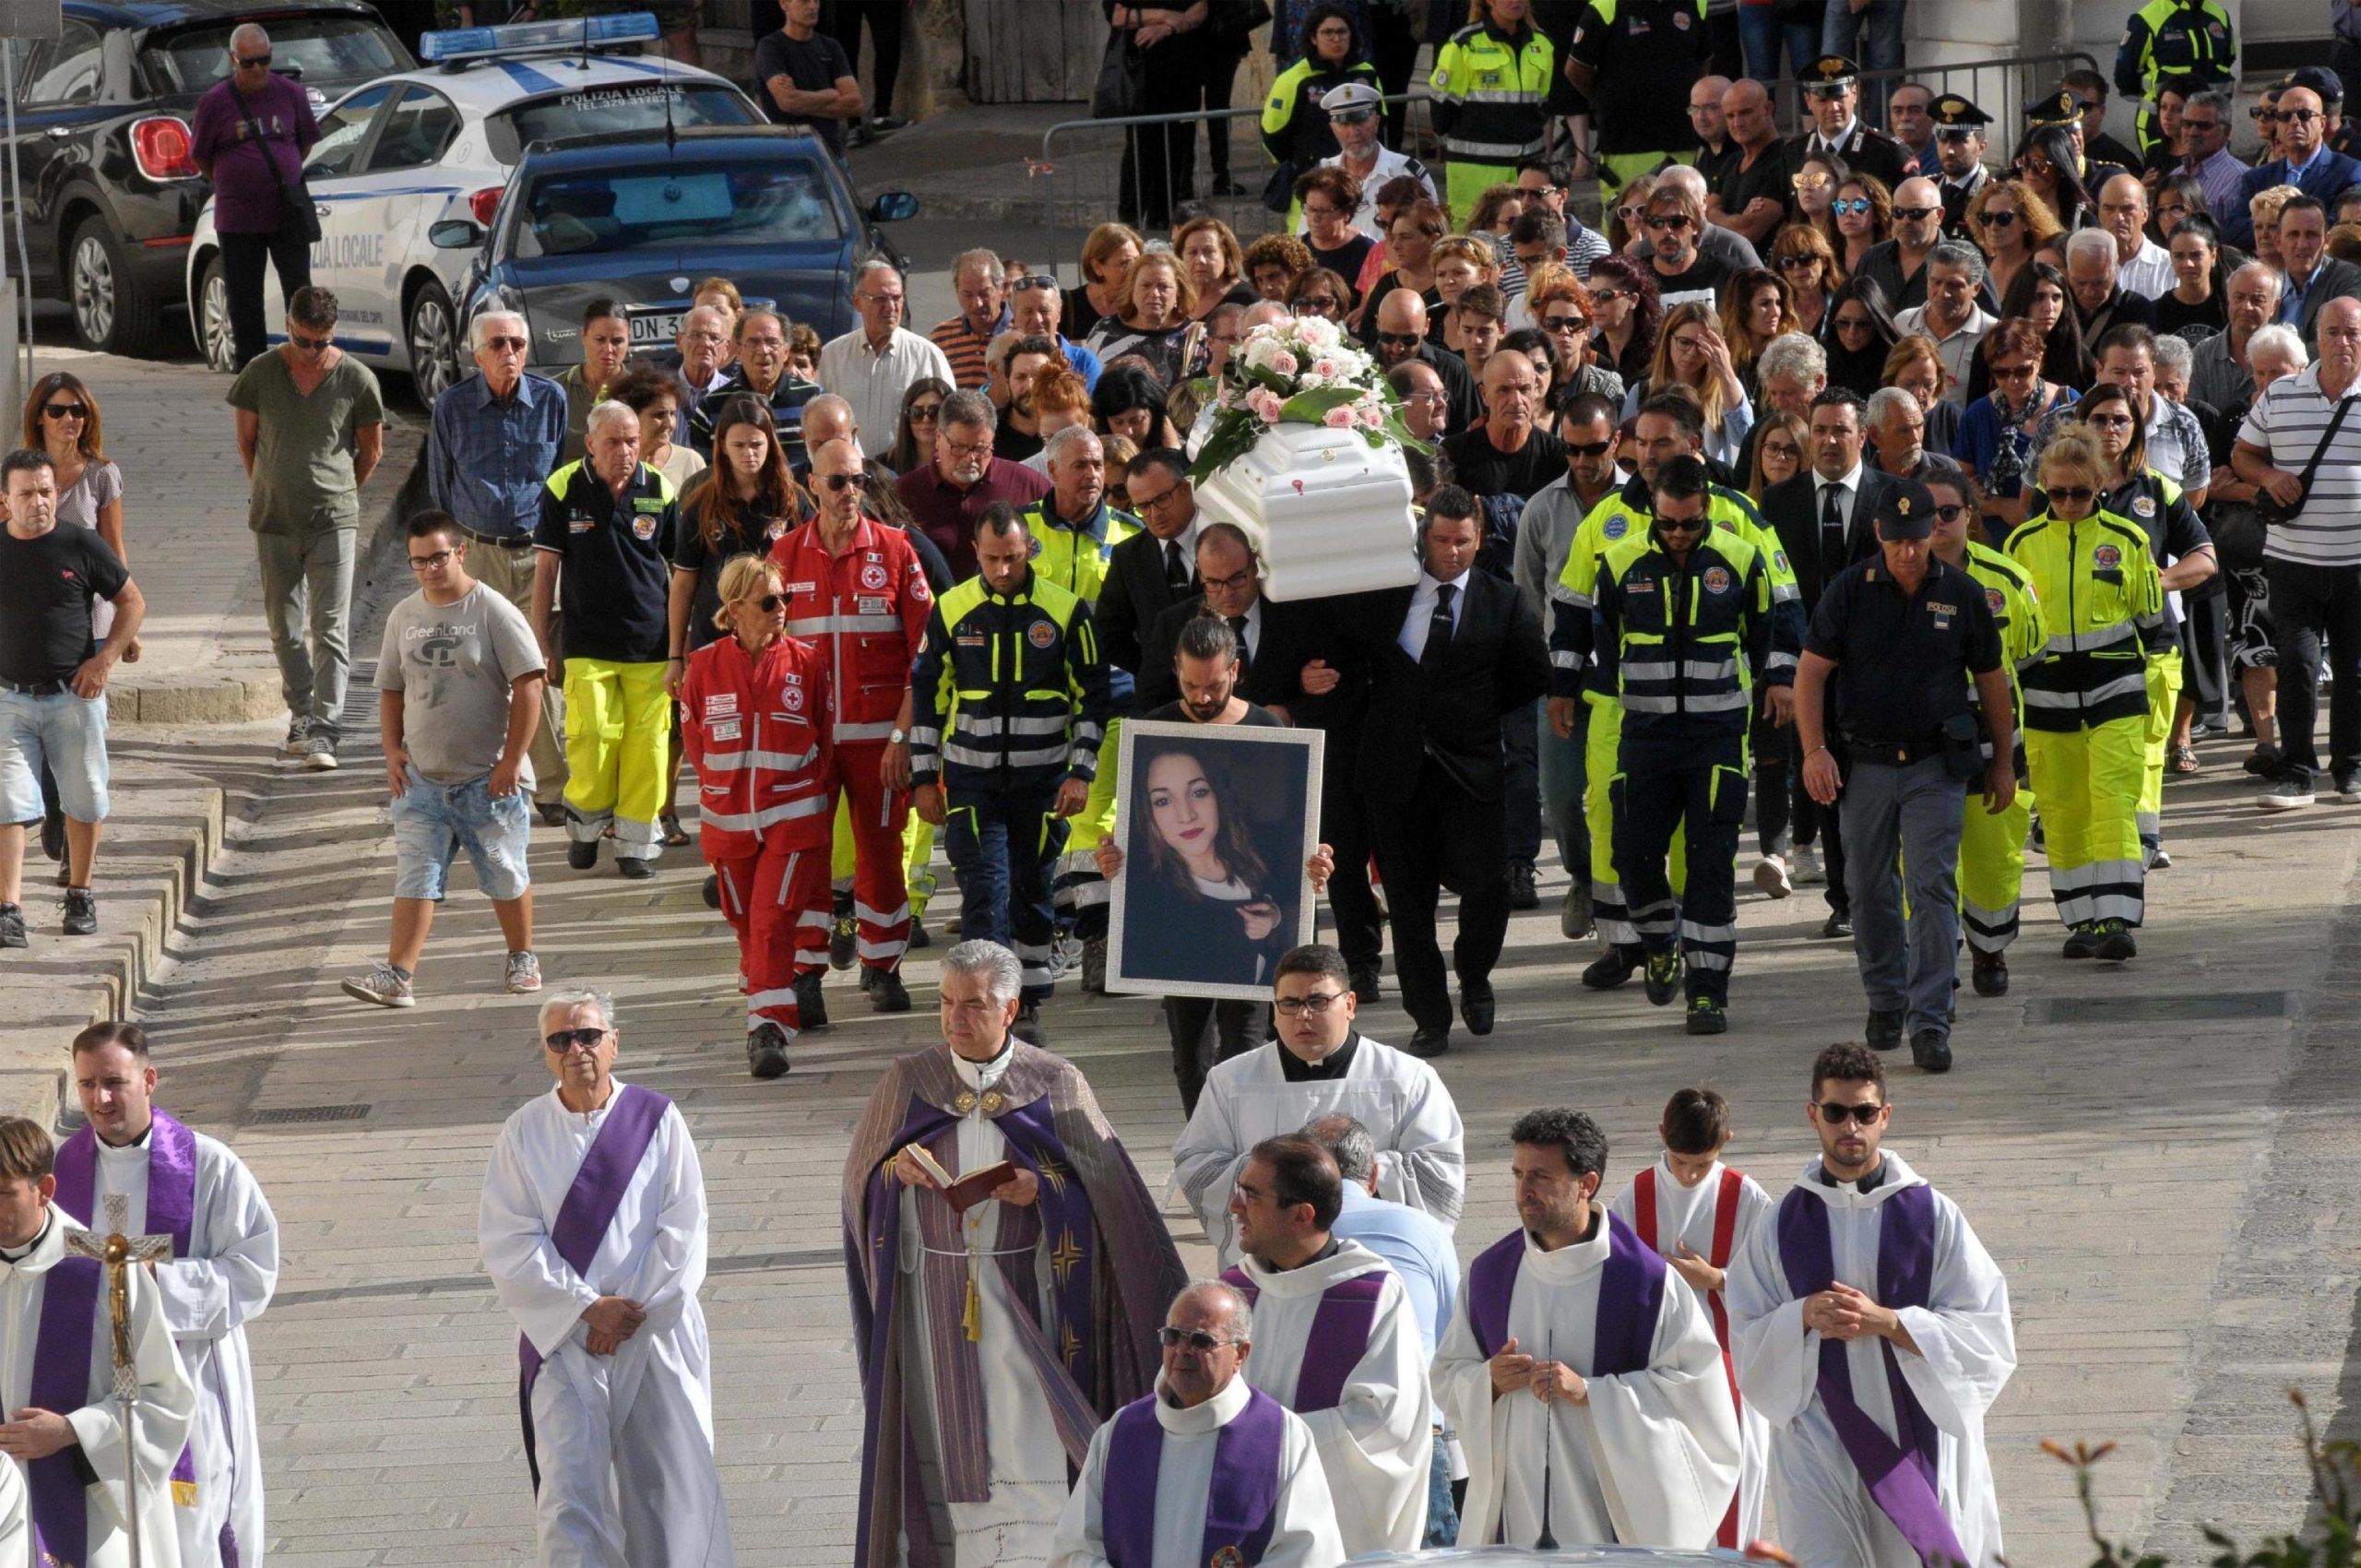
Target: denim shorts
{"x": 68, "y": 734}
{"x": 434, "y": 822}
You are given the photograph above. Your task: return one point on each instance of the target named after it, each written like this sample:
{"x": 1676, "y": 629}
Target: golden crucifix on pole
{"x": 118, "y": 1252}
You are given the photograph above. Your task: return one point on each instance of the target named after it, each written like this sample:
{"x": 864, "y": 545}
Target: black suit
{"x": 1429, "y": 772}
{"x": 1136, "y": 591}
{"x": 1285, "y": 641}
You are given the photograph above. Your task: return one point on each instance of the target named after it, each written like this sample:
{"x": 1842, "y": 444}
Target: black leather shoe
{"x": 1028, "y": 1026}
{"x": 1430, "y": 1042}
{"x": 1477, "y": 1006}
{"x": 713, "y": 892}
{"x": 811, "y": 1007}
{"x": 767, "y": 1052}
{"x": 1368, "y": 983}
{"x": 1522, "y": 894}
{"x": 553, "y": 812}
{"x": 1611, "y": 969}
{"x": 1991, "y": 975}
{"x": 1930, "y": 1050}
{"x": 582, "y": 854}
{"x": 1885, "y": 1029}
{"x": 633, "y": 869}
{"x": 1838, "y": 925}
{"x": 886, "y": 991}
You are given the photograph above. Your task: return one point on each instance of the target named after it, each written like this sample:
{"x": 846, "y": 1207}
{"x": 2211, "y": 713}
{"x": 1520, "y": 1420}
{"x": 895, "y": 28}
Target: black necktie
{"x": 1238, "y": 630}
{"x": 1439, "y": 627}
{"x": 1832, "y": 530}
{"x": 1176, "y": 566}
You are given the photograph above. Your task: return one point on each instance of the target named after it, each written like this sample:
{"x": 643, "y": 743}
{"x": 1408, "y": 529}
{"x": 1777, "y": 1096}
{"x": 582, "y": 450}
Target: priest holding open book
{"x": 1009, "y": 1275}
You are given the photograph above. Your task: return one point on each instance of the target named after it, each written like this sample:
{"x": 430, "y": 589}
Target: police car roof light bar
{"x": 562, "y": 36}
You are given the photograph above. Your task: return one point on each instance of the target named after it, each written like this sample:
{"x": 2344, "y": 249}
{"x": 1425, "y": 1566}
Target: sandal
{"x": 675, "y": 835}
{"x": 2183, "y": 759}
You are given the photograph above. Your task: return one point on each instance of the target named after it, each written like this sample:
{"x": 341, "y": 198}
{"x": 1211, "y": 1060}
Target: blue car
{"x": 644, "y": 218}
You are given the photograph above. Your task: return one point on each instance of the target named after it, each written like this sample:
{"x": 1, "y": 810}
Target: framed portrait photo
{"x": 1214, "y": 822}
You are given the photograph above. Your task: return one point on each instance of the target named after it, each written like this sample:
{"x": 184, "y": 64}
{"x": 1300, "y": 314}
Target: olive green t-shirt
{"x": 303, "y": 479}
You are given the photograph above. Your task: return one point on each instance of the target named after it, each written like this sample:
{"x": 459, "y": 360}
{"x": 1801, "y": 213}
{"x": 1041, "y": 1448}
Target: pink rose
{"x": 1265, "y": 404}
{"x": 1338, "y": 418}
{"x": 1283, "y": 362}
{"x": 1328, "y": 368}
{"x": 1368, "y": 417}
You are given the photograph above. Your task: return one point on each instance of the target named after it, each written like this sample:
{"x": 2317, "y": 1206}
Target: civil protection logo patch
{"x": 1616, "y": 526}
{"x": 1041, "y": 634}
{"x": 1996, "y": 599}
{"x": 1716, "y": 581}
{"x": 2106, "y": 557}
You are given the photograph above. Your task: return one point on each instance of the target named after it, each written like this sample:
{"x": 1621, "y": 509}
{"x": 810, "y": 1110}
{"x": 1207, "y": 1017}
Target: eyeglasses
{"x": 1197, "y": 1339}
{"x": 1317, "y": 305}
{"x": 434, "y": 563}
{"x": 566, "y": 1040}
{"x": 967, "y": 448}
{"x": 65, "y": 411}
{"x": 1786, "y": 449}
{"x": 837, "y": 482}
{"x": 1803, "y": 261}
{"x": 1999, "y": 218}
{"x": 1231, "y": 584}
{"x": 2073, "y": 495}
{"x": 924, "y": 413}
{"x": 1155, "y": 502}
{"x": 1849, "y": 206}
{"x": 1315, "y": 1003}
{"x": 1669, "y": 222}
{"x": 1836, "y": 1114}
{"x": 1322, "y": 211}
{"x": 504, "y": 345}
{"x": 247, "y": 61}
{"x": 1587, "y": 448}
{"x": 1916, "y": 214}
{"x": 309, "y": 345}
{"x": 2186, "y": 123}
{"x": 1563, "y": 324}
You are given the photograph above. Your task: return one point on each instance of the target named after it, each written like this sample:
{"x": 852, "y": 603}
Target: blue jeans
{"x": 1442, "y": 1517}
{"x": 1760, "y": 34}
{"x": 1004, "y": 844}
{"x": 1872, "y": 39}
{"x": 67, "y": 735}
{"x": 433, "y": 823}
{"x": 1564, "y": 775}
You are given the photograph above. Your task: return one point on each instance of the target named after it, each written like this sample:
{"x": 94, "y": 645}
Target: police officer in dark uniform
{"x": 1902, "y": 634}
{"x": 2064, "y": 109}
{"x": 1959, "y": 152}
{"x": 1832, "y": 91}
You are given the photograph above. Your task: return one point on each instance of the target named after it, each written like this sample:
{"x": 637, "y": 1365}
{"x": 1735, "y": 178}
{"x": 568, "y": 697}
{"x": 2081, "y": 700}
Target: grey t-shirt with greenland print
{"x": 453, "y": 663}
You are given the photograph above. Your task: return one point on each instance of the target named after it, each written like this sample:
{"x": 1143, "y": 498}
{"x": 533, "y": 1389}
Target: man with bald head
{"x": 1899, "y": 265}
{"x": 1402, "y": 333}
{"x": 1748, "y": 190}
{"x": 2304, "y": 162}
{"x": 1705, "y": 119}
{"x": 2142, "y": 266}
{"x": 1153, "y": 1487}
{"x": 248, "y": 137}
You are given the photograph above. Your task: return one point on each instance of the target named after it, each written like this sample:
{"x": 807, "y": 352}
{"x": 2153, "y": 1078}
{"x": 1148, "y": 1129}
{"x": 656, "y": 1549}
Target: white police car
{"x": 410, "y": 150}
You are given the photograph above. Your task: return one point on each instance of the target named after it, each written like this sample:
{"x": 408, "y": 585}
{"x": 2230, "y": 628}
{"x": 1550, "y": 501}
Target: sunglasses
{"x": 430, "y": 562}
{"x": 1800, "y": 263}
{"x": 1400, "y": 340}
{"x": 1852, "y": 206}
{"x": 2001, "y": 219}
{"x": 769, "y": 604}
{"x": 1852, "y": 324}
{"x": 1684, "y": 525}
{"x": 2011, "y": 372}
{"x": 1669, "y": 223}
{"x": 1587, "y": 448}
{"x": 566, "y": 1040}
{"x": 837, "y": 482}
{"x": 1629, "y": 214}
{"x": 924, "y": 413}
{"x": 1353, "y": 117}
{"x": 2108, "y": 421}
{"x": 500, "y": 345}
{"x": 309, "y": 345}
{"x": 1034, "y": 280}
{"x": 2263, "y": 116}
{"x": 1913, "y": 214}
{"x": 1808, "y": 182}
{"x": 1609, "y": 296}
{"x": 65, "y": 411}
{"x": 1951, "y": 512}
{"x": 1836, "y": 1115}
{"x": 1197, "y": 1339}
{"x": 1563, "y": 324}
{"x": 248, "y": 61}
{"x": 2074, "y": 494}
{"x": 2298, "y": 116}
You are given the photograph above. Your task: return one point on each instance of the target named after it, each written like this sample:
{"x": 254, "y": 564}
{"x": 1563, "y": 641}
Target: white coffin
{"x": 1328, "y": 513}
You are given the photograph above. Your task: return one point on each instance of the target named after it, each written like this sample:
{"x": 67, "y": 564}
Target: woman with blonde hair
{"x": 2086, "y": 698}
{"x": 1410, "y": 241}
{"x": 1755, "y": 309}
{"x": 1626, "y": 228}
{"x": 2264, "y": 206}
{"x": 1460, "y": 262}
{"x": 1815, "y": 180}
{"x": 1692, "y": 352}
{"x": 1106, "y": 257}
{"x": 2010, "y": 223}
{"x": 1155, "y": 319}
{"x": 752, "y": 720}
{"x": 1806, "y": 263}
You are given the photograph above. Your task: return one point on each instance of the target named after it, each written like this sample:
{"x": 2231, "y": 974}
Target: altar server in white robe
{"x": 1337, "y": 1341}
{"x": 593, "y": 1228}
{"x": 1207, "y": 1463}
{"x": 57, "y": 1379}
{"x": 1872, "y": 1331}
{"x": 1320, "y": 1066}
{"x": 1697, "y": 1212}
{"x": 1580, "y": 1371}
{"x": 223, "y": 1269}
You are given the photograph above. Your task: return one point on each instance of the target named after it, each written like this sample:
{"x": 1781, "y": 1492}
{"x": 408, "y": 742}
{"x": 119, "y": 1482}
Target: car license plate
{"x": 652, "y": 327}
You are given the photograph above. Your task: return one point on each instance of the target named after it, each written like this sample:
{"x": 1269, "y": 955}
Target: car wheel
{"x": 111, "y": 313}
{"x": 434, "y": 336}
{"x": 212, "y": 319}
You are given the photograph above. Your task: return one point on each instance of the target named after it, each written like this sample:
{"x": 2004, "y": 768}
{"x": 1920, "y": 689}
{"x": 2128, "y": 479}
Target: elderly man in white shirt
{"x": 1950, "y": 315}
{"x": 871, "y": 366}
{"x": 2142, "y": 266}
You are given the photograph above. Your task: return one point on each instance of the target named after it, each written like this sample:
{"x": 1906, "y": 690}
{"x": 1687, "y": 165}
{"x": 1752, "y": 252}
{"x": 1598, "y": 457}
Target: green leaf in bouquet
{"x": 1310, "y": 408}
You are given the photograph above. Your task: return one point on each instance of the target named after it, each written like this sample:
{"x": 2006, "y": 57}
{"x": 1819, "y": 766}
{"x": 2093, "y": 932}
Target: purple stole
{"x": 172, "y": 1208}
{"x": 61, "y": 1382}
{"x": 1339, "y": 1336}
{"x": 1631, "y": 1299}
{"x": 1901, "y": 1477}
{"x": 587, "y": 1211}
{"x": 1241, "y": 1502}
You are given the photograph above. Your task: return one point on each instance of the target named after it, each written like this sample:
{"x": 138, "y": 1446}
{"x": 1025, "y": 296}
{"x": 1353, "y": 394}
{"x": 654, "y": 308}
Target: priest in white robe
{"x": 223, "y": 1268}
{"x": 1207, "y": 1463}
{"x": 593, "y": 1228}
{"x": 57, "y": 1379}
{"x": 999, "y": 1324}
{"x": 1320, "y": 1066}
{"x": 1581, "y": 1372}
{"x": 1337, "y": 1341}
{"x": 1697, "y": 1212}
{"x": 1872, "y": 1331}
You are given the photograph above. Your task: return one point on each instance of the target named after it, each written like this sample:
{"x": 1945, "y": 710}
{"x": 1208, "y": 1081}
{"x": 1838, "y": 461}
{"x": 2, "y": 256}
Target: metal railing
{"x": 2001, "y": 88}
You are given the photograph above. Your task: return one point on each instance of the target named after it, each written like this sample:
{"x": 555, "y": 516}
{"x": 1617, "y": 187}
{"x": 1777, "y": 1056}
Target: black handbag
{"x": 296, "y": 212}
{"x": 1122, "y": 80}
{"x": 2270, "y": 511}
{"x": 2239, "y": 534}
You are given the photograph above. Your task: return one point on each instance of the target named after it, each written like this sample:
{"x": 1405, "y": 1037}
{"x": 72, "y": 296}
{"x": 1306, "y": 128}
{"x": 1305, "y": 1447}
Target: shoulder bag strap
{"x": 2303, "y": 479}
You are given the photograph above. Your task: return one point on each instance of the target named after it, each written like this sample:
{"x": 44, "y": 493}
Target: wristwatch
{"x": 898, "y": 736}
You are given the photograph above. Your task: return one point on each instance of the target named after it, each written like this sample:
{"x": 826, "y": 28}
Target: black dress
{"x": 1195, "y": 937}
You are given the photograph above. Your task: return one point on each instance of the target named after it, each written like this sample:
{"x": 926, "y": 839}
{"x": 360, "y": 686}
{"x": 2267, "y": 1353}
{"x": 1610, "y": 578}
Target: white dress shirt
{"x": 2149, "y": 272}
{"x": 873, "y": 380}
{"x": 1413, "y": 640}
{"x": 1851, "y": 497}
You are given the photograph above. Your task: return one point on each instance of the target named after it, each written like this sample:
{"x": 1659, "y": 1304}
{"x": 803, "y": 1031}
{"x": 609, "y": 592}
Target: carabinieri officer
{"x": 1902, "y": 634}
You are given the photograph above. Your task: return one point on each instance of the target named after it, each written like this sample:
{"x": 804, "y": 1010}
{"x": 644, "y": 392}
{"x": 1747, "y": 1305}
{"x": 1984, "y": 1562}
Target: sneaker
{"x": 1706, "y": 1017}
{"x": 1884, "y": 1030}
{"x": 811, "y": 1007}
{"x": 1094, "y": 966}
{"x": 1611, "y": 969}
{"x": 2348, "y": 787}
{"x": 1028, "y": 1026}
{"x": 1065, "y": 955}
{"x": 299, "y": 734}
{"x": 2285, "y": 796}
{"x": 81, "y": 913}
{"x": 582, "y": 854}
{"x": 887, "y": 992}
{"x": 1991, "y": 975}
{"x": 1804, "y": 868}
{"x": 1662, "y": 976}
{"x": 1523, "y": 893}
{"x": 766, "y": 1051}
{"x": 2116, "y": 944}
{"x": 385, "y": 985}
{"x": 2160, "y": 858}
{"x": 319, "y": 754}
{"x": 844, "y": 936}
{"x": 1771, "y": 877}
{"x": 12, "y": 927}
{"x": 632, "y": 868}
{"x": 2082, "y": 941}
{"x": 1574, "y": 918}
{"x": 523, "y": 976}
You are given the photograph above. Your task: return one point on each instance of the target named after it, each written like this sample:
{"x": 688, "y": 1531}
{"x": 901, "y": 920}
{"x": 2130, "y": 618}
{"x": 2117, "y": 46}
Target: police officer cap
{"x": 2320, "y": 79}
{"x": 1906, "y": 510}
{"x": 2060, "y": 108}
{"x": 1351, "y": 95}
{"x": 1953, "y": 113}
{"x": 1829, "y": 71}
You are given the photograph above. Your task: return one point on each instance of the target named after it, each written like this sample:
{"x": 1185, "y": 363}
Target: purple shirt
{"x": 245, "y": 183}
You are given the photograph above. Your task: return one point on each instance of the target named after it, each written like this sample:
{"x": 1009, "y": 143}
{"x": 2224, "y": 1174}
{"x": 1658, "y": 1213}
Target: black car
{"x": 102, "y": 141}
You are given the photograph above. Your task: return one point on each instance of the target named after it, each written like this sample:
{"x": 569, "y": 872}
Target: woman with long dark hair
{"x": 1858, "y": 333}
{"x": 2042, "y": 296}
{"x": 746, "y": 501}
{"x": 2048, "y": 162}
{"x": 1129, "y": 401}
{"x": 914, "y": 434}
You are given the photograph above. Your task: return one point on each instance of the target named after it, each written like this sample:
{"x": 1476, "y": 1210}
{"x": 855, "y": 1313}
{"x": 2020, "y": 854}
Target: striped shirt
{"x": 2287, "y": 421}
{"x": 964, "y": 347}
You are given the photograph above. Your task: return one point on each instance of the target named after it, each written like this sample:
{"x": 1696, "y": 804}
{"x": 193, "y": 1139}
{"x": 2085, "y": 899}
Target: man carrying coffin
{"x": 1008, "y": 1270}
{"x": 1580, "y": 1371}
{"x": 57, "y": 1379}
{"x": 223, "y": 1268}
{"x": 1320, "y": 1065}
{"x": 1208, "y": 1468}
{"x": 593, "y": 1229}
{"x": 1340, "y": 1343}
{"x": 1875, "y": 1375}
